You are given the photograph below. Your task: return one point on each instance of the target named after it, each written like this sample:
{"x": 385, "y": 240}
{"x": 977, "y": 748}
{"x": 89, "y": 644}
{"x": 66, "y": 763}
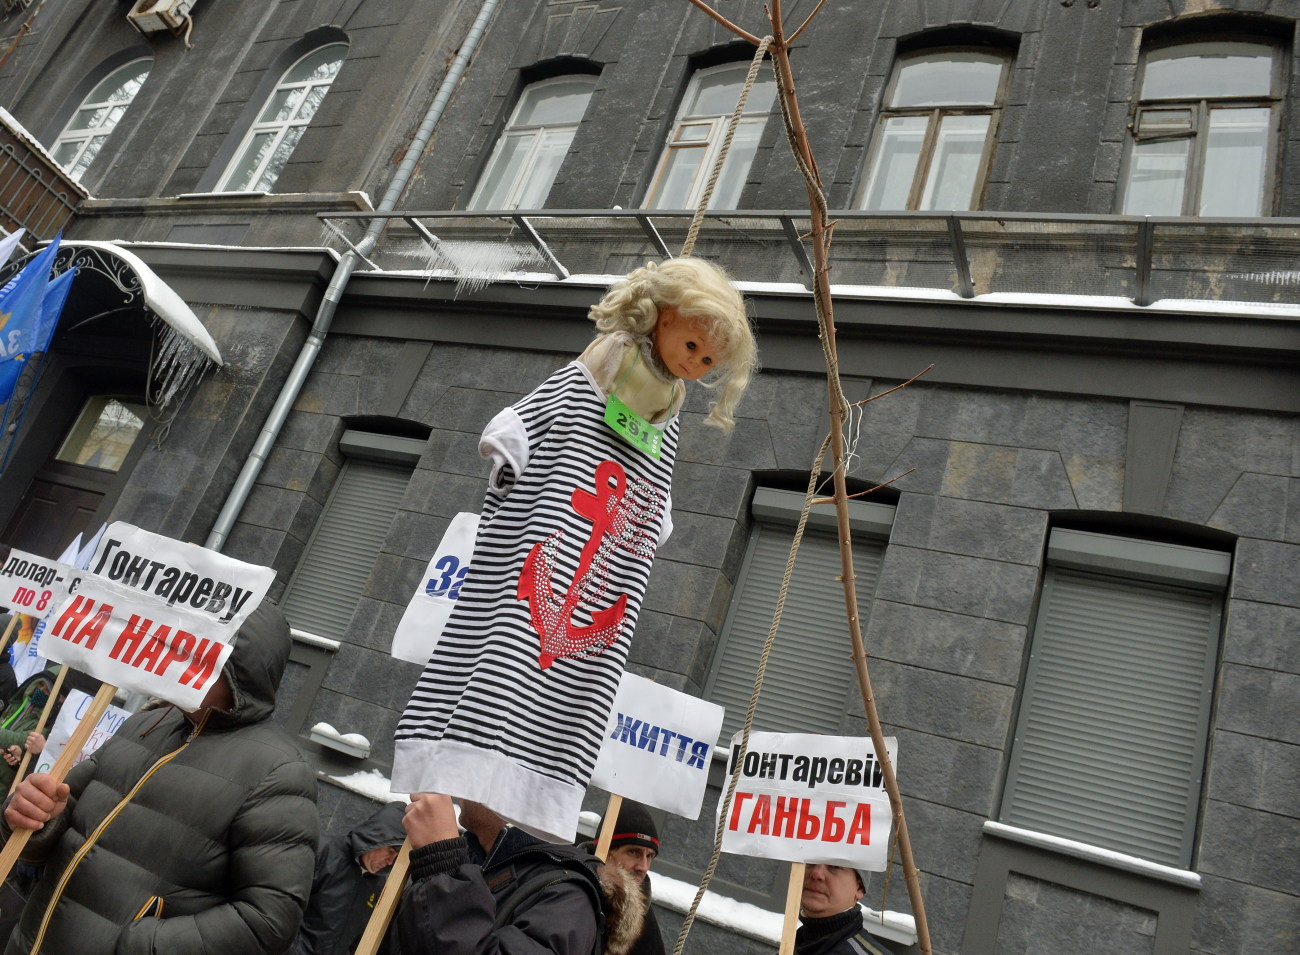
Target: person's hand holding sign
{"x": 37, "y": 800}
{"x": 429, "y": 818}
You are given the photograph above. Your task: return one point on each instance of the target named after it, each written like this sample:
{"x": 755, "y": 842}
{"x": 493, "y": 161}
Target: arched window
{"x": 933, "y": 145}
{"x": 530, "y": 149}
{"x": 101, "y": 110}
{"x": 697, "y": 135}
{"x": 288, "y": 111}
{"x": 1203, "y": 130}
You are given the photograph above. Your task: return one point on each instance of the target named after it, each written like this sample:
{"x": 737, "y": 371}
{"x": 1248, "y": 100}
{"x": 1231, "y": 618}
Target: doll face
{"x": 683, "y": 346}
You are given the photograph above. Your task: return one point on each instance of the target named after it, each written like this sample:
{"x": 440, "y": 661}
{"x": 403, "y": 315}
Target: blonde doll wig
{"x": 701, "y": 292}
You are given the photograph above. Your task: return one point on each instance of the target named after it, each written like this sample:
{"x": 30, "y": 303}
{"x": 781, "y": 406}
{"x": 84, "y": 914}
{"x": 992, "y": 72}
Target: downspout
{"x": 334, "y": 292}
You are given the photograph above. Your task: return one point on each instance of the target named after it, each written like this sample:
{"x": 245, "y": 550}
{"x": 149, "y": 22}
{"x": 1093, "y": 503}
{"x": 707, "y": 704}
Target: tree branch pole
{"x": 839, "y": 411}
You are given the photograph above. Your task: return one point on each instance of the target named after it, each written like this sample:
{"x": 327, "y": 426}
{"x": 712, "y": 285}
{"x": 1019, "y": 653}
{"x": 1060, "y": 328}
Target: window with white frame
{"x": 331, "y": 576}
{"x": 811, "y": 657}
{"x": 97, "y": 116}
{"x": 1204, "y": 130}
{"x": 935, "y": 139}
{"x": 1113, "y": 723}
{"x": 696, "y": 139}
{"x": 289, "y": 110}
{"x": 530, "y": 149}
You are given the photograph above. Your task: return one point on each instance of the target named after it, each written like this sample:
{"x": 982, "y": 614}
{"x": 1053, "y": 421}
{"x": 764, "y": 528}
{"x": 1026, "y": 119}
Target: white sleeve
{"x": 505, "y": 442}
{"x": 667, "y": 527}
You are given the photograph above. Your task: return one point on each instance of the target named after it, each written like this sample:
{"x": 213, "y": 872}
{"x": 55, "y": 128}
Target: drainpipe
{"x": 334, "y": 292}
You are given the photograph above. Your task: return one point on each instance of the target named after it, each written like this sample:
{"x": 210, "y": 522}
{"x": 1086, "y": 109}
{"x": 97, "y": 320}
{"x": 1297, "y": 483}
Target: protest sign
{"x": 657, "y": 746}
{"x": 74, "y": 708}
{"x": 809, "y": 798}
{"x": 33, "y": 585}
{"x": 421, "y": 625}
{"x": 154, "y": 615}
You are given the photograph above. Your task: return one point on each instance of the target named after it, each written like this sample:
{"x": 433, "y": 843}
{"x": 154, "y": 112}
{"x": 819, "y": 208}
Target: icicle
{"x": 475, "y": 265}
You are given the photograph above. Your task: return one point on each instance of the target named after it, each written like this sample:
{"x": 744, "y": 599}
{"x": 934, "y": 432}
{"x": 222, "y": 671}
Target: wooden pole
{"x": 386, "y": 905}
{"x": 40, "y": 725}
{"x": 9, "y": 631}
{"x": 819, "y": 236}
{"x": 608, "y": 825}
{"x": 59, "y": 771}
{"x": 793, "y": 894}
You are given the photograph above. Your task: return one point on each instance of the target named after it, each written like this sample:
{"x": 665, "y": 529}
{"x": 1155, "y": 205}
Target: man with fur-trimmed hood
{"x": 186, "y": 833}
{"x": 497, "y": 889}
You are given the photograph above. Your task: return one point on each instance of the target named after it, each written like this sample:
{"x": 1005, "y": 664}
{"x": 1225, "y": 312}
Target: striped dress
{"x": 511, "y": 707}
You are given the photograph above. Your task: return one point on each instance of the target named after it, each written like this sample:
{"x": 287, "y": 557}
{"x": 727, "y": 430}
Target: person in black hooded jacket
{"x": 351, "y": 870}
{"x": 186, "y": 833}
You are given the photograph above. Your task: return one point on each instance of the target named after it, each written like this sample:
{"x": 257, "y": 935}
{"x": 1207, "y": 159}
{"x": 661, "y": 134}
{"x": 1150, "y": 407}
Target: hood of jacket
{"x": 256, "y": 664}
{"x": 625, "y": 909}
{"x": 384, "y": 828}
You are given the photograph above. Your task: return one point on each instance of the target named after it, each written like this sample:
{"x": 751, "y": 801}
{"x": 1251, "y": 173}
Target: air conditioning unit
{"x": 151, "y": 16}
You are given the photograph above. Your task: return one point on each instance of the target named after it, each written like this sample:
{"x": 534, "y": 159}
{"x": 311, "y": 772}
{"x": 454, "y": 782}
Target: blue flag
{"x": 20, "y": 316}
{"x": 52, "y": 308}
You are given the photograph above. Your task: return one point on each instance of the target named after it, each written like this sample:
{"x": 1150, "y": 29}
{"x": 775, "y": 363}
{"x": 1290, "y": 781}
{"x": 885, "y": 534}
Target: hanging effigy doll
{"x": 511, "y": 707}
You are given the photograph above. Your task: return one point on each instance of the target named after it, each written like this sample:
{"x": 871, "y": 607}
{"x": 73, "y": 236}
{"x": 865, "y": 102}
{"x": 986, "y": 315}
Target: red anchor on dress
{"x": 552, "y": 618}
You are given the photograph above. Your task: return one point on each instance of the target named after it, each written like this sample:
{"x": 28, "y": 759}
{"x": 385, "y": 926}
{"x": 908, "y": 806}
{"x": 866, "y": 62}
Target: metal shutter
{"x": 1110, "y": 742}
{"x": 810, "y": 668}
{"x": 337, "y": 561}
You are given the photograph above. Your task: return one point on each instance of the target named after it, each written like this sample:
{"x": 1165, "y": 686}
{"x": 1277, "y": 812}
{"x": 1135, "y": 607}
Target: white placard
{"x": 434, "y": 600}
{"x": 809, "y": 798}
{"x": 74, "y": 707}
{"x": 33, "y": 585}
{"x": 658, "y": 745}
{"x": 154, "y": 615}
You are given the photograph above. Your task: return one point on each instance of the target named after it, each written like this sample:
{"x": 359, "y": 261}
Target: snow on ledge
{"x": 371, "y": 783}
{"x": 1089, "y": 853}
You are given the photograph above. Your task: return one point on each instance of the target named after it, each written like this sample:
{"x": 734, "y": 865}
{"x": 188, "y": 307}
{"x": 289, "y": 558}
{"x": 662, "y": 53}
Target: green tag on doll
{"x": 633, "y": 428}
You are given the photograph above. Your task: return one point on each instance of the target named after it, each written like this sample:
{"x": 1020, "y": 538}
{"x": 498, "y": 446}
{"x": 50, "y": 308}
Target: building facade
{"x": 1081, "y": 596}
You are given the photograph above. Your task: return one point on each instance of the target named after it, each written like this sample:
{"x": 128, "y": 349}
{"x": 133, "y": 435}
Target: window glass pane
{"x": 1163, "y": 122}
{"x": 693, "y": 133}
{"x": 103, "y": 433}
{"x": 281, "y": 105}
{"x": 86, "y": 119}
{"x": 545, "y": 167}
{"x": 948, "y": 79}
{"x": 242, "y": 177}
{"x": 731, "y": 180}
{"x": 716, "y": 93}
{"x": 311, "y": 102}
{"x": 1235, "y": 157}
{"x": 894, "y": 168}
{"x": 318, "y": 67}
{"x": 555, "y": 102}
{"x": 121, "y": 85}
{"x": 1157, "y": 177}
{"x": 1205, "y": 70}
{"x": 503, "y": 171}
{"x": 676, "y": 177}
{"x": 279, "y": 158}
{"x": 955, "y": 166}
{"x": 66, "y": 151}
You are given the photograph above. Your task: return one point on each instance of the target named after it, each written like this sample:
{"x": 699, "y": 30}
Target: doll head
{"x": 700, "y": 294}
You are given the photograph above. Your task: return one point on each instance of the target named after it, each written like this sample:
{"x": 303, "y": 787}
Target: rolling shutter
{"x": 342, "y": 550}
{"x": 810, "y": 668}
{"x": 1110, "y": 740}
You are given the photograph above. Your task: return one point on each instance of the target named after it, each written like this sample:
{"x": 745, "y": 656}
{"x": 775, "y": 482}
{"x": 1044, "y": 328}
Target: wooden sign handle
{"x": 386, "y": 904}
{"x": 608, "y": 825}
{"x": 9, "y": 631}
{"x": 40, "y": 726}
{"x": 59, "y": 771}
{"x": 793, "y": 893}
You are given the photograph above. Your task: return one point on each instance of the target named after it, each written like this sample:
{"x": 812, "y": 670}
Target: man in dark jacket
{"x": 203, "y": 825}
{"x": 831, "y": 922}
{"x": 350, "y": 873}
{"x": 520, "y": 895}
{"x": 633, "y": 848}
